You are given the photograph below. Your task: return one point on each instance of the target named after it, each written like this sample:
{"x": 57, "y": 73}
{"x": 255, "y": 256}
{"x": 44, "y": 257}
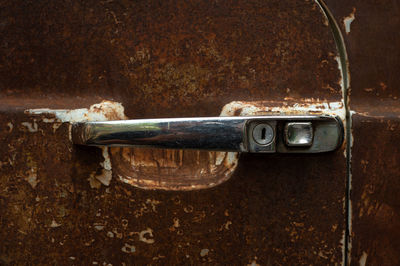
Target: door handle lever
{"x": 259, "y": 134}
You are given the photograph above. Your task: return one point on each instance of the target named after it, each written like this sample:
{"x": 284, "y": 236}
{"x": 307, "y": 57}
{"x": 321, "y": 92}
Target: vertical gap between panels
{"x": 344, "y": 67}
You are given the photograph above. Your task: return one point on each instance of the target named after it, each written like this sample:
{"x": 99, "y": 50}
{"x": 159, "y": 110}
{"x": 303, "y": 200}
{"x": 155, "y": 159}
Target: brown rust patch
{"x": 172, "y": 169}
{"x": 375, "y": 185}
{"x": 150, "y": 56}
{"x": 170, "y": 58}
{"x": 144, "y": 168}
{"x": 375, "y": 153}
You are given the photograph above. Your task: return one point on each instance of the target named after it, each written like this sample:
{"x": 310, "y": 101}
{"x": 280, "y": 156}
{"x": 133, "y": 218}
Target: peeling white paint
{"x": 227, "y": 225}
{"x": 128, "y": 248}
{"x": 107, "y": 161}
{"x": 363, "y": 259}
{"x": 98, "y": 226}
{"x": 32, "y": 127}
{"x": 204, "y": 252}
{"x": 232, "y": 158}
{"x": 49, "y": 120}
{"x": 348, "y": 20}
{"x": 143, "y": 238}
{"x": 106, "y": 110}
{"x": 32, "y": 177}
{"x": 253, "y": 263}
{"x": 153, "y": 204}
{"x": 106, "y": 174}
{"x": 343, "y": 86}
{"x": 54, "y": 224}
{"x": 56, "y": 126}
{"x": 219, "y": 157}
{"x": 117, "y": 233}
{"x": 305, "y": 106}
{"x": 10, "y": 127}
{"x": 105, "y": 177}
{"x": 138, "y": 168}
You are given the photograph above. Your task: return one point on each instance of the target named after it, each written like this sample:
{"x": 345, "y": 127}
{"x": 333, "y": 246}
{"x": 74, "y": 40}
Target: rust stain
{"x": 163, "y": 59}
{"x": 374, "y": 237}
{"x": 145, "y": 168}
{"x": 172, "y": 169}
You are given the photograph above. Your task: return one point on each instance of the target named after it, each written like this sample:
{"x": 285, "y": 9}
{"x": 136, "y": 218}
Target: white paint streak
{"x": 32, "y": 177}
{"x": 128, "y": 248}
{"x": 143, "y": 238}
{"x": 363, "y": 259}
{"x": 98, "y": 226}
{"x": 204, "y": 252}
{"x": 106, "y": 174}
{"x": 232, "y": 158}
{"x": 219, "y": 157}
{"x": 104, "y": 177}
{"x": 343, "y": 241}
{"x": 54, "y": 224}
{"x": 32, "y": 127}
{"x": 106, "y": 110}
{"x": 253, "y": 263}
{"x": 107, "y": 161}
{"x": 348, "y": 20}
{"x": 306, "y": 106}
{"x": 342, "y": 85}
{"x": 10, "y": 127}
{"x": 173, "y": 169}
{"x": 49, "y": 120}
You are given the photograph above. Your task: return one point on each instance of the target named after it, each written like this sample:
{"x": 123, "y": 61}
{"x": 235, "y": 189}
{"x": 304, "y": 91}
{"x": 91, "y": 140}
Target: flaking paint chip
{"x": 204, "y": 252}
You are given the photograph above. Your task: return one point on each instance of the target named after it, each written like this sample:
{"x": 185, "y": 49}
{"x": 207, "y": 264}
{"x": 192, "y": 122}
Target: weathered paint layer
{"x": 163, "y": 59}
{"x": 372, "y": 45}
{"x": 146, "y": 168}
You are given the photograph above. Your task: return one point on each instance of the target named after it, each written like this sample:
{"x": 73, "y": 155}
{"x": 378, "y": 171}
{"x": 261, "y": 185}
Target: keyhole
{"x": 263, "y": 133}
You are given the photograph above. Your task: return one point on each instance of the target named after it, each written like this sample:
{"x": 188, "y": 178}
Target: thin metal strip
{"x": 203, "y": 133}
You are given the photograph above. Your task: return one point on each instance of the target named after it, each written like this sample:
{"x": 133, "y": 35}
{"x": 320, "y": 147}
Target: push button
{"x": 298, "y": 134}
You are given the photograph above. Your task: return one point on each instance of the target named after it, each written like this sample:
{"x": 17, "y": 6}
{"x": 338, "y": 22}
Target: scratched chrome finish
{"x": 208, "y": 133}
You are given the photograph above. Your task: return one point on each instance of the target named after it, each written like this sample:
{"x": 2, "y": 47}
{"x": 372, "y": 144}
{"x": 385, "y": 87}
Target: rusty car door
{"x": 73, "y": 61}
{"x": 371, "y": 34}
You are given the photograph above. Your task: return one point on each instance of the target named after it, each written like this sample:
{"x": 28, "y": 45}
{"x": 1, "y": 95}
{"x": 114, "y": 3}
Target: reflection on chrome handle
{"x": 241, "y": 134}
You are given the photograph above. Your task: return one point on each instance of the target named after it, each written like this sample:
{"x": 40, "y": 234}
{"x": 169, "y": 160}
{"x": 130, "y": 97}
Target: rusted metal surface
{"x": 370, "y": 29}
{"x": 375, "y": 186}
{"x": 163, "y": 59}
{"x": 173, "y": 169}
{"x": 170, "y": 58}
{"x": 268, "y": 211}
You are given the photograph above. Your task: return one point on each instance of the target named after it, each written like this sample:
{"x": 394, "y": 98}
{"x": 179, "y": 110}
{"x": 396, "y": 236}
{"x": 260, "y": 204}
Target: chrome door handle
{"x": 260, "y": 134}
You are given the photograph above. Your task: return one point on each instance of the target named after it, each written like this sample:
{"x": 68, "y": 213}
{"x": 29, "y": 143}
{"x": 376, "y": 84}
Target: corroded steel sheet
{"x": 163, "y": 59}
{"x": 371, "y": 33}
